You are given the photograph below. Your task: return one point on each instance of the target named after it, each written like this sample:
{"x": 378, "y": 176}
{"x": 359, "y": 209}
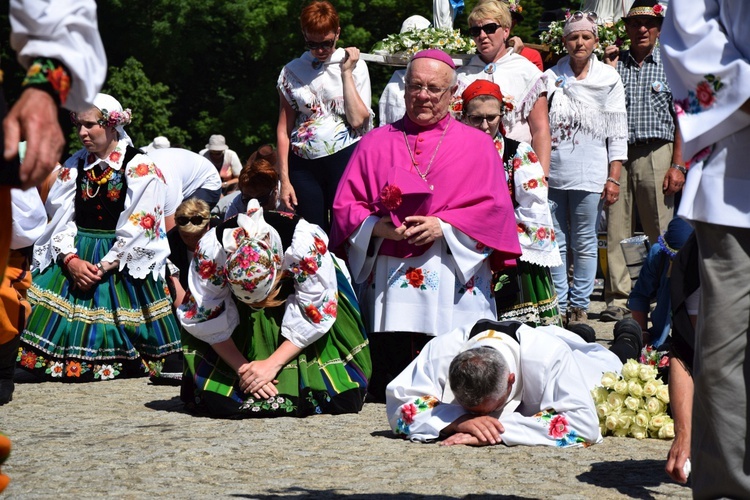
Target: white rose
{"x": 632, "y": 403}
{"x": 657, "y": 422}
{"x": 641, "y": 419}
{"x": 638, "y": 432}
{"x": 621, "y": 387}
{"x": 630, "y": 369}
{"x": 602, "y": 410}
{"x": 611, "y": 422}
{"x": 625, "y": 419}
{"x": 667, "y": 430}
{"x": 649, "y": 388}
{"x": 609, "y": 379}
{"x": 615, "y": 401}
{"x": 647, "y": 372}
{"x": 635, "y": 388}
{"x": 621, "y": 432}
{"x": 662, "y": 392}
{"x": 654, "y": 406}
{"x": 599, "y": 394}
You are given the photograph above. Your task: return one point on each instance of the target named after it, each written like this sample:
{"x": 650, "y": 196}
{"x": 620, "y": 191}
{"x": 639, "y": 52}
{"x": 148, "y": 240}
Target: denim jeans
{"x": 575, "y": 220}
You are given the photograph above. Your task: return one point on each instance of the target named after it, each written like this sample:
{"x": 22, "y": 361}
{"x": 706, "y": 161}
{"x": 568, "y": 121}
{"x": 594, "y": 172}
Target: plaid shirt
{"x": 648, "y": 97}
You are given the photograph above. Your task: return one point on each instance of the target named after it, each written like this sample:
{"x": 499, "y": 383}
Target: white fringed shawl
{"x": 594, "y": 105}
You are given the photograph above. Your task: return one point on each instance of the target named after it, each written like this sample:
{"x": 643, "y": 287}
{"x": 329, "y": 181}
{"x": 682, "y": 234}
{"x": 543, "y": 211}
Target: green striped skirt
{"x": 329, "y": 376}
{"x": 527, "y": 295}
{"x": 117, "y": 329}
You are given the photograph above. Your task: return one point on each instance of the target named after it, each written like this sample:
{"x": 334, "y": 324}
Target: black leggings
{"x": 315, "y": 182}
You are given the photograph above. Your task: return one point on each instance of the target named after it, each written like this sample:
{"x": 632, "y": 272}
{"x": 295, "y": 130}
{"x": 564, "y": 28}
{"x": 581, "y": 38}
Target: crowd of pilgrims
{"x": 199, "y": 271}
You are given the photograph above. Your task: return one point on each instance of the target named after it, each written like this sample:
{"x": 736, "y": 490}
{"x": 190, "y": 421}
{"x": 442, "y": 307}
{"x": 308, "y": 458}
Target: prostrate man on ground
{"x": 421, "y": 206}
{"x": 502, "y": 382}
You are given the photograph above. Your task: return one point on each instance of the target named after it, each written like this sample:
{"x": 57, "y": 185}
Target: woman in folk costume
{"x": 324, "y": 110}
{"x": 274, "y": 326}
{"x": 100, "y": 306}
{"x": 525, "y": 292}
{"x": 588, "y": 123}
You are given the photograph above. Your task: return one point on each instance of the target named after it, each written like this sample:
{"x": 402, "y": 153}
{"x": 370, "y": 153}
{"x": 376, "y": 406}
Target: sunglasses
{"x": 476, "y": 120}
{"x": 197, "y": 220}
{"x": 325, "y": 45}
{"x": 487, "y": 28}
{"x": 578, "y": 15}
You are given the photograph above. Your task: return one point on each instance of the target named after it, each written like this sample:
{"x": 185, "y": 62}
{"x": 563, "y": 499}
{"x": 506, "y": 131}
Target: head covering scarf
{"x": 481, "y": 87}
{"x": 112, "y": 111}
{"x": 255, "y": 254}
{"x": 583, "y": 24}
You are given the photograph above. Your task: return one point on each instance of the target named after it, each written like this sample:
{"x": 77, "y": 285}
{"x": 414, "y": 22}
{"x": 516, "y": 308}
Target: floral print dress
{"x": 320, "y": 315}
{"x": 102, "y": 210}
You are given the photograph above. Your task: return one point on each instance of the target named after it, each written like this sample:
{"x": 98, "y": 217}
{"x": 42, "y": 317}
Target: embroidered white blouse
{"x": 210, "y": 313}
{"x": 520, "y": 81}
{"x": 316, "y": 94}
{"x": 66, "y": 31}
{"x": 141, "y": 242}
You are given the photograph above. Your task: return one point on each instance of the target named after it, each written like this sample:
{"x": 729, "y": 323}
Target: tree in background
{"x": 192, "y": 68}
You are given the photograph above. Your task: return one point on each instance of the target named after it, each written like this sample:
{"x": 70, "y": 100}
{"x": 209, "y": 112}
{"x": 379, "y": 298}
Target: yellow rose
{"x": 667, "y": 430}
{"x": 602, "y": 410}
{"x": 615, "y": 401}
{"x": 663, "y": 393}
{"x": 657, "y": 422}
{"x": 641, "y": 419}
{"x": 609, "y": 379}
{"x": 621, "y": 387}
{"x": 630, "y": 369}
{"x": 611, "y": 422}
{"x": 647, "y": 372}
{"x": 654, "y": 406}
{"x": 635, "y": 388}
{"x": 632, "y": 403}
{"x": 638, "y": 432}
{"x": 649, "y": 388}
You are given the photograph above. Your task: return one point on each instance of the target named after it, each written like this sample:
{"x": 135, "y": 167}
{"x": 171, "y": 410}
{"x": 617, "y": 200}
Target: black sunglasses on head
{"x": 197, "y": 220}
{"x": 487, "y": 28}
{"x": 325, "y": 45}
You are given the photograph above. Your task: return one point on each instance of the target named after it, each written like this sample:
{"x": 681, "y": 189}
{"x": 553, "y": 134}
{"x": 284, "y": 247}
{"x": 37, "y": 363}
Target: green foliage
{"x": 149, "y": 102}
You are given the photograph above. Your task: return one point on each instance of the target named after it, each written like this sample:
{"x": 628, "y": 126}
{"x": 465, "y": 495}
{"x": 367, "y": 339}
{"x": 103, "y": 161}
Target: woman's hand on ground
{"x": 259, "y": 378}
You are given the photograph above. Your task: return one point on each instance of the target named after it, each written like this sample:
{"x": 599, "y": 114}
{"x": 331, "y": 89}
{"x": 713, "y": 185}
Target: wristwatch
{"x": 101, "y": 268}
{"x": 681, "y": 168}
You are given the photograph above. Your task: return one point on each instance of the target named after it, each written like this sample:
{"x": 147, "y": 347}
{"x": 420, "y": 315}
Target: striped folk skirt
{"x": 122, "y": 327}
{"x": 329, "y": 376}
{"x": 527, "y": 295}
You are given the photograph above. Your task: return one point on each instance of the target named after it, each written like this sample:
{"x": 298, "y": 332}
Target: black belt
{"x": 644, "y": 142}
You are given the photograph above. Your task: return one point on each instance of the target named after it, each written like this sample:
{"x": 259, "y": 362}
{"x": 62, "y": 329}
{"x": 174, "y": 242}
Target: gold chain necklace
{"x": 429, "y": 165}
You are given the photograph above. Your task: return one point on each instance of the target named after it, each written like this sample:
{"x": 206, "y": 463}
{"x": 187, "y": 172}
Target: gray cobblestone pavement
{"x": 130, "y": 439}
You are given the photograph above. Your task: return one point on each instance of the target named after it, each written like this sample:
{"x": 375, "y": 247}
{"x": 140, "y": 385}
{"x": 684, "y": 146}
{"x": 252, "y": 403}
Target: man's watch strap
{"x": 681, "y": 168}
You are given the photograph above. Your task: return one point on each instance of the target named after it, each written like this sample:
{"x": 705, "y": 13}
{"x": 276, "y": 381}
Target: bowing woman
{"x": 274, "y": 328}
{"x": 100, "y": 307}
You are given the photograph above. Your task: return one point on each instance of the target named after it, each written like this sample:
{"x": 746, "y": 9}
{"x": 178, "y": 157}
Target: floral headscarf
{"x": 255, "y": 254}
{"x": 113, "y": 115}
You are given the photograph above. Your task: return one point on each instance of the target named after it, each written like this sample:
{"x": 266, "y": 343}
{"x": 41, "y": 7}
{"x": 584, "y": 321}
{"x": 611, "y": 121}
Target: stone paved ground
{"x": 129, "y": 439}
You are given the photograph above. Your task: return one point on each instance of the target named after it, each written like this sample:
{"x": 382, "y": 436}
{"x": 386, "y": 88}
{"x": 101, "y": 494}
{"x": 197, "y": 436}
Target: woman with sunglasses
{"x": 521, "y": 82}
{"x": 524, "y": 293}
{"x": 589, "y": 143}
{"x": 324, "y": 110}
{"x": 100, "y": 307}
{"x": 192, "y": 221}
{"x": 273, "y": 326}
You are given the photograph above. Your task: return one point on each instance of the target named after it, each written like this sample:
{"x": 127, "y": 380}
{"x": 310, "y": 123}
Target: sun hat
{"x": 217, "y": 143}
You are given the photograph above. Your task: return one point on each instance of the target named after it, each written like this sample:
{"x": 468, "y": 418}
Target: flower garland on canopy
{"x": 410, "y": 42}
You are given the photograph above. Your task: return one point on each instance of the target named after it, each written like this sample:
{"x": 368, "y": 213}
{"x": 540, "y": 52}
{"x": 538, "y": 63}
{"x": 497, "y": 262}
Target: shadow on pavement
{"x": 298, "y": 493}
{"x": 633, "y": 478}
{"x": 174, "y": 404}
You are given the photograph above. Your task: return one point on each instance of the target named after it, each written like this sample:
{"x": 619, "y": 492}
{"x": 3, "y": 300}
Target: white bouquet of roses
{"x": 634, "y": 403}
{"x": 404, "y": 45}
